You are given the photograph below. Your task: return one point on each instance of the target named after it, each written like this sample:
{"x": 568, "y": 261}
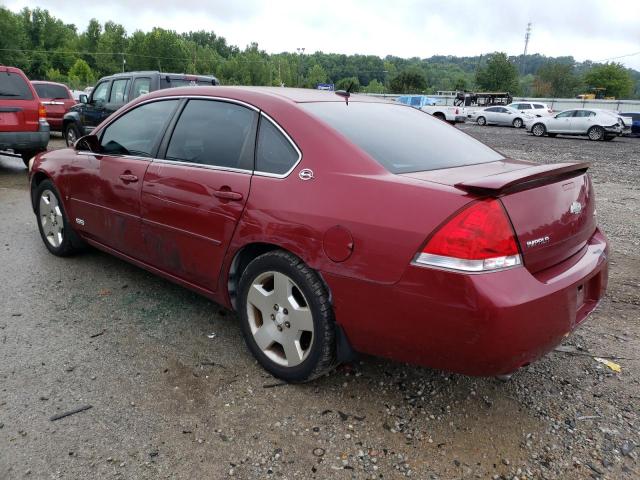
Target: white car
{"x": 595, "y": 124}
{"x": 535, "y": 109}
{"x": 499, "y": 116}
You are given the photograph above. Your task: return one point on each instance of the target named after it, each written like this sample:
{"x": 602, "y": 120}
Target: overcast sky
{"x": 587, "y": 29}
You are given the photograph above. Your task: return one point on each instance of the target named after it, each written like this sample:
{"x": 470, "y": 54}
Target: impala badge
{"x": 575, "y": 208}
{"x": 538, "y": 241}
{"x": 306, "y": 174}
{"x": 79, "y": 221}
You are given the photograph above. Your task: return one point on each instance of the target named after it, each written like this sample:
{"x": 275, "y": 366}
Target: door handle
{"x": 227, "y": 195}
{"x": 128, "y": 178}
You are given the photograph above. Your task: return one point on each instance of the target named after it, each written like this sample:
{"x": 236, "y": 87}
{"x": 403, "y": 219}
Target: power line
{"x": 621, "y": 56}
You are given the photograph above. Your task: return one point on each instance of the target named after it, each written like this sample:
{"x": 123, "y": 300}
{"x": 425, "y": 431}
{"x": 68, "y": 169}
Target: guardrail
{"x": 557, "y": 104}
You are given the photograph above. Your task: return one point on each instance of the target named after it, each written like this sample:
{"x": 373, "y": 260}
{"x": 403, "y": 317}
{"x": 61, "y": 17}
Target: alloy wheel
{"x": 538, "y": 130}
{"x": 71, "y": 136}
{"x": 51, "y": 218}
{"x": 595, "y": 133}
{"x": 280, "y": 319}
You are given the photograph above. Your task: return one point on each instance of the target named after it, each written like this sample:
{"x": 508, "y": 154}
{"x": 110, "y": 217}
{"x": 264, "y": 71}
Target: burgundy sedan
{"x": 335, "y": 226}
{"x": 57, "y": 100}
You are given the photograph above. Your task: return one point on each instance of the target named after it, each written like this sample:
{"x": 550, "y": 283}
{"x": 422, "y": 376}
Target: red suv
{"x": 23, "y": 124}
{"x": 57, "y": 100}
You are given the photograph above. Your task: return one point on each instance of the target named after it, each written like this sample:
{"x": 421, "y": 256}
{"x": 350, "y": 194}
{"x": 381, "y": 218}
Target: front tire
{"x": 57, "y": 235}
{"x": 286, "y": 317}
{"x": 595, "y": 133}
{"x": 71, "y": 134}
{"x": 481, "y": 121}
{"x": 539, "y": 130}
{"x": 517, "y": 123}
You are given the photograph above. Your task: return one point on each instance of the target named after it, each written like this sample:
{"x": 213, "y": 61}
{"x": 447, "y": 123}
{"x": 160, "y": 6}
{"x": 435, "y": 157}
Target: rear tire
{"x": 71, "y": 134}
{"x": 439, "y": 116}
{"x": 286, "y": 317}
{"x": 539, "y": 130}
{"x": 518, "y": 123}
{"x": 481, "y": 121}
{"x": 596, "y": 133}
{"x": 57, "y": 235}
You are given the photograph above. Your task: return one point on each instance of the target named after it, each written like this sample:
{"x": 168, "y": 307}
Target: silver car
{"x": 595, "y": 124}
{"x": 499, "y": 116}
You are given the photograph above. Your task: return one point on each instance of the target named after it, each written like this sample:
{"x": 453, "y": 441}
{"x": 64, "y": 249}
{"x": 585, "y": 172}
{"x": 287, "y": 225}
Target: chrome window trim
{"x": 288, "y": 138}
{"x": 201, "y": 165}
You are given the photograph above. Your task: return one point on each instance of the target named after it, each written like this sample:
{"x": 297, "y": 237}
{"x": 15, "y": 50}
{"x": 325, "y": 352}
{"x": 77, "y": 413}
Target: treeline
{"x": 47, "y": 48}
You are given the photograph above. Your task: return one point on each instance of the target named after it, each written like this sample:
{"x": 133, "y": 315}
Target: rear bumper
{"x": 26, "y": 141}
{"x": 484, "y": 324}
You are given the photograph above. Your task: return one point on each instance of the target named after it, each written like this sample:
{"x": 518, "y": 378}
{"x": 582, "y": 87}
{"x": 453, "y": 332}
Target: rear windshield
{"x": 402, "y": 139}
{"x": 51, "y": 91}
{"x": 14, "y": 87}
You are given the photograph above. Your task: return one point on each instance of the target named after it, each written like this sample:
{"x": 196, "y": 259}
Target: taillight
{"x": 457, "y": 111}
{"x": 479, "y": 238}
{"x": 42, "y": 112}
{"x": 549, "y": 110}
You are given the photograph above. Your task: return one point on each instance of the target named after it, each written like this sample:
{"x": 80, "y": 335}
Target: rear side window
{"x": 137, "y": 131}
{"x": 402, "y": 139}
{"x": 275, "y": 153}
{"x": 141, "y": 86}
{"x": 51, "y": 91}
{"x": 214, "y": 133}
{"x": 525, "y": 106}
{"x": 14, "y": 87}
{"x": 119, "y": 91}
{"x": 538, "y": 106}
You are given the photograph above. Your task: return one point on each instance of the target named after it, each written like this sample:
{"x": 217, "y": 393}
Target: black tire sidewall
{"x": 482, "y": 121}
{"x": 322, "y": 317}
{"x": 66, "y": 247}
{"x": 71, "y": 126}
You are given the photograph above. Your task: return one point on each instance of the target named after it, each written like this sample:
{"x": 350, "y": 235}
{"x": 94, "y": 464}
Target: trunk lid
{"x": 18, "y": 103}
{"x": 551, "y": 207}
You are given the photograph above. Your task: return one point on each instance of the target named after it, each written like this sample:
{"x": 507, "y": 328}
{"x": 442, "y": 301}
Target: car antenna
{"x": 345, "y": 93}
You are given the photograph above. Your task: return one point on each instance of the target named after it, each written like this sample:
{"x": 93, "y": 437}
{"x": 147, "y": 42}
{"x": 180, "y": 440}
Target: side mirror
{"x": 83, "y": 98}
{"x": 88, "y": 143}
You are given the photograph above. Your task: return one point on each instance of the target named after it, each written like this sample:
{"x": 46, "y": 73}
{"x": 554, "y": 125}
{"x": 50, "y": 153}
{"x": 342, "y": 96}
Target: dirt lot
{"x": 175, "y": 393}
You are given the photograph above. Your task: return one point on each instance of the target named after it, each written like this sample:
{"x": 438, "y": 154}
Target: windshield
{"x": 400, "y": 138}
{"x": 46, "y": 90}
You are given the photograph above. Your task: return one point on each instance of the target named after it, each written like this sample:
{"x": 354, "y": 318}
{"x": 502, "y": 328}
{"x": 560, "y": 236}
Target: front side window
{"x": 138, "y": 131}
{"x": 275, "y": 153}
{"x": 14, "y": 87}
{"x": 415, "y": 101}
{"x": 119, "y": 91}
{"x": 516, "y": 106}
{"x": 100, "y": 93}
{"x": 141, "y": 86}
{"x": 214, "y": 133}
{"x": 567, "y": 114}
{"x": 46, "y": 90}
{"x": 402, "y": 139}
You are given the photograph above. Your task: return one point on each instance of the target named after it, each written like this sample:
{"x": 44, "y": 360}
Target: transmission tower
{"x": 527, "y": 36}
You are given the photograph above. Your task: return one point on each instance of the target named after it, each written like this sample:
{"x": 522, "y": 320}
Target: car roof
{"x": 45, "y": 82}
{"x": 295, "y": 95}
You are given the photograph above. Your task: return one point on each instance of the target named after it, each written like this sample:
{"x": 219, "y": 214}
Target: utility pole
{"x": 300, "y": 54}
{"x": 527, "y": 36}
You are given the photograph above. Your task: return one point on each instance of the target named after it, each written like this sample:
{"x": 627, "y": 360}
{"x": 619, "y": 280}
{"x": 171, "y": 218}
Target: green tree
{"x": 556, "y": 79}
{"x": 614, "y": 77}
{"x": 374, "y": 87}
{"x": 408, "y": 81}
{"x": 12, "y": 40}
{"x": 81, "y": 75}
{"x": 498, "y": 75}
{"x": 316, "y": 75}
{"x": 345, "y": 83}
{"x": 111, "y": 48}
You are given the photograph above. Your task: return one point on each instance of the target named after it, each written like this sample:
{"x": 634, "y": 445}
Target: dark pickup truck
{"x": 111, "y": 93}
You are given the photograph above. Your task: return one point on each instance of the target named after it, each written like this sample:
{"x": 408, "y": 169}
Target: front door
{"x": 94, "y": 112}
{"x": 104, "y": 187}
{"x": 193, "y": 198}
{"x": 561, "y": 123}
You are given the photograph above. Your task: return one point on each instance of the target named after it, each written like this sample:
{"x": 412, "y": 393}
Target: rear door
{"x": 104, "y": 187}
{"x": 18, "y": 104}
{"x": 193, "y": 198}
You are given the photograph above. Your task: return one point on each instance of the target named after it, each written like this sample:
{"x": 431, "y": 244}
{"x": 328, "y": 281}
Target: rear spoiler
{"x": 523, "y": 179}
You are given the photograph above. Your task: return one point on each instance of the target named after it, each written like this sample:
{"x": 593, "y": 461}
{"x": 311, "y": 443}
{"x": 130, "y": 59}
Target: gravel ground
{"x": 175, "y": 393}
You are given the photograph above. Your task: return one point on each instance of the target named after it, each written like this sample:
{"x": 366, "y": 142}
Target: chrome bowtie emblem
{"x": 306, "y": 174}
{"x": 575, "y": 208}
